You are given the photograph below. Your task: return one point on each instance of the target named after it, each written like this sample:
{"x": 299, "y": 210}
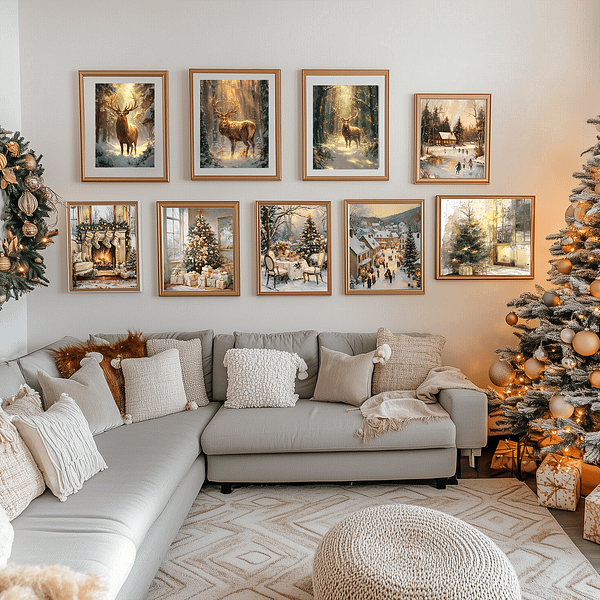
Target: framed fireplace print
{"x": 235, "y": 128}
{"x": 103, "y": 247}
{"x": 345, "y": 124}
{"x": 452, "y": 138}
{"x": 384, "y": 247}
{"x": 123, "y": 119}
{"x": 198, "y": 248}
{"x": 485, "y": 237}
{"x": 293, "y": 248}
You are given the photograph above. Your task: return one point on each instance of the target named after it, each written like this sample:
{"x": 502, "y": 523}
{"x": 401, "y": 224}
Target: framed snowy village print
{"x": 123, "y": 119}
{"x": 452, "y": 138}
{"x": 235, "y": 124}
{"x": 103, "y": 246}
{"x": 384, "y": 247}
{"x": 485, "y": 237}
{"x": 293, "y": 248}
{"x": 345, "y": 124}
{"x": 198, "y": 248}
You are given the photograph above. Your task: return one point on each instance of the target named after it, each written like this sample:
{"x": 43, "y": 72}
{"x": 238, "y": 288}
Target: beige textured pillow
{"x": 412, "y": 358}
{"x": 190, "y": 357}
{"x": 26, "y": 401}
{"x": 20, "y": 479}
{"x": 344, "y": 378}
{"x": 154, "y": 386}
{"x": 62, "y": 445}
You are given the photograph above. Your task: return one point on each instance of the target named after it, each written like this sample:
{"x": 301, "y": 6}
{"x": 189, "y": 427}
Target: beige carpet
{"x": 258, "y": 542}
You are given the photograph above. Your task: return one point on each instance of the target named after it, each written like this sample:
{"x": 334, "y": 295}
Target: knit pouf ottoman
{"x": 400, "y": 551}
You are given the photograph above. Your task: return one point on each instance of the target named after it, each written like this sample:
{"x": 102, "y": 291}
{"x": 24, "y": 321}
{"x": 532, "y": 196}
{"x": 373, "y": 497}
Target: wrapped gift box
{"x": 591, "y": 519}
{"x": 505, "y": 457}
{"x": 559, "y": 482}
{"x": 176, "y": 279}
{"x": 191, "y": 278}
{"x": 201, "y": 282}
{"x": 221, "y": 284}
{"x": 211, "y": 282}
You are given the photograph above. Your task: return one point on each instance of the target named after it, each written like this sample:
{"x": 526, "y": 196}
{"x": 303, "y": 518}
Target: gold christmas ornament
{"x": 570, "y": 212}
{"x": 4, "y": 263}
{"x": 595, "y": 379}
{"x": 13, "y": 148}
{"x": 2, "y": 299}
{"x": 29, "y": 229}
{"x": 595, "y": 288}
{"x": 559, "y": 408}
{"x": 3, "y": 161}
{"x": 533, "y": 368}
{"x": 27, "y": 203}
{"x": 581, "y": 209}
{"x": 586, "y": 343}
{"x": 567, "y": 335}
{"x": 551, "y": 298}
{"x": 33, "y": 181}
{"x": 30, "y": 162}
{"x": 512, "y": 318}
{"x": 501, "y": 373}
{"x": 564, "y": 266}
{"x": 597, "y": 188}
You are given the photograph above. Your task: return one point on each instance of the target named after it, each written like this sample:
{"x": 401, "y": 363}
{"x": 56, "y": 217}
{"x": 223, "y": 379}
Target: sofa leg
{"x": 225, "y": 488}
{"x": 440, "y": 483}
{"x": 453, "y": 480}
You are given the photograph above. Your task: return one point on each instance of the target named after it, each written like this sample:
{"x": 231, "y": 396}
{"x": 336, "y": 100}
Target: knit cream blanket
{"x": 393, "y": 411}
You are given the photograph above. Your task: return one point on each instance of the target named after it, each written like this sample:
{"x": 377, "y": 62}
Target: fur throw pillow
{"x": 68, "y": 361}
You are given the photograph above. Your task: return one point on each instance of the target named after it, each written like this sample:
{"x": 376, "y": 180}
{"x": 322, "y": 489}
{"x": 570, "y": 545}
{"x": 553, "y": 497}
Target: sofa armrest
{"x": 469, "y": 411}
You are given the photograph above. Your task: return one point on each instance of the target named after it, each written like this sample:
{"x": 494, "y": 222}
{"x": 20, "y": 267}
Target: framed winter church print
{"x": 103, "y": 246}
{"x": 485, "y": 237}
{"x": 235, "y": 128}
{"x": 345, "y": 122}
{"x": 198, "y": 248}
{"x": 123, "y": 118}
{"x": 384, "y": 247}
{"x": 293, "y": 248}
{"x": 452, "y": 138}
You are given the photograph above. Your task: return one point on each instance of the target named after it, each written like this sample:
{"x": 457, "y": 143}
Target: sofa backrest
{"x": 348, "y": 343}
{"x": 11, "y": 379}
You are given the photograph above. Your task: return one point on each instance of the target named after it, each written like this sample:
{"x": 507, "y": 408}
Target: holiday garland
{"x": 28, "y": 203}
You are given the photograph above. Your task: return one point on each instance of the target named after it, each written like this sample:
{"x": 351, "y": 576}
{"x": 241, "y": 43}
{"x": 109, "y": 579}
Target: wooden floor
{"x": 571, "y": 522}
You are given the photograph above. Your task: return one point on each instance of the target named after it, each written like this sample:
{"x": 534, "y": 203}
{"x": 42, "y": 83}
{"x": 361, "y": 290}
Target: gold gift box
{"x": 591, "y": 519}
{"x": 505, "y": 457}
{"x": 558, "y": 481}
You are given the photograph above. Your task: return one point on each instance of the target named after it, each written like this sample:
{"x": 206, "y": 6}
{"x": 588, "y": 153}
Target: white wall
{"x": 538, "y": 58}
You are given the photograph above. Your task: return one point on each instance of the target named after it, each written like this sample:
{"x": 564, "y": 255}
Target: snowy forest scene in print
{"x": 452, "y": 138}
{"x": 485, "y": 237}
{"x": 293, "y": 253}
{"x": 384, "y": 245}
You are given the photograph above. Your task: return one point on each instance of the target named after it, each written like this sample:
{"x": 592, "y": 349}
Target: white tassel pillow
{"x": 262, "y": 378}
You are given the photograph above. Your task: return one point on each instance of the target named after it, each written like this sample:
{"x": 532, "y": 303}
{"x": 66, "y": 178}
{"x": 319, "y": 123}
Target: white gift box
{"x": 591, "y": 519}
{"x": 558, "y": 481}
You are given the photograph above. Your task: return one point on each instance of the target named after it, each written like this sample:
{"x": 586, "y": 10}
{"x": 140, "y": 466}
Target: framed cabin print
{"x": 384, "y": 247}
{"x": 198, "y": 248}
{"x": 103, "y": 246}
{"x": 452, "y": 138}
{"x": 293, "y": 248}
{"x": 485, "y": 237}
{"x": 123, "y": 118}
{"x": 345, "y": 124}
{"x": 235, "y": 118}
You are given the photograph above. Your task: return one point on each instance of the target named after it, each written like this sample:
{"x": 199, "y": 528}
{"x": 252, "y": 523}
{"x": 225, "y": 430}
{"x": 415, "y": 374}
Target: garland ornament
{"x": 27, "y": 205}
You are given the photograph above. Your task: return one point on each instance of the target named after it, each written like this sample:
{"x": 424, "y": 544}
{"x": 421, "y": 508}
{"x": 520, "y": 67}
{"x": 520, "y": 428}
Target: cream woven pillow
{"x": 20, "y": 479}
{"x": 411, "y": 360}
{"x": 26, "y": 402}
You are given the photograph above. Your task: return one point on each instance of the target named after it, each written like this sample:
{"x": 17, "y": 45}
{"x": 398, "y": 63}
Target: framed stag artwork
{"x": 123, "y": 118}
{"x": 345, "y": 124}
{"x": 235, "y": 117}
{"x": 198, "y": 248}
{"x": 103, "y": 246}
{"x": 384, "y": 247}
{"x": 452, "y": 138}
{"x": 293, "y": 248}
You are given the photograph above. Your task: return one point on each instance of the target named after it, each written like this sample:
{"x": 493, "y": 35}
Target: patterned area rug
{"x": 259, "y": 541}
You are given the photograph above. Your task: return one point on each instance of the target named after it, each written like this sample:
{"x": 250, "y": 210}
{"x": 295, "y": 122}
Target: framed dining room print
{"x": 485, "y": 237}
{"x": 123, "y": 118}
{"x": 345, "y": 124}
{"x": 384, "y": 247}
{"x": 198, "y": 248}
{"x": 293, "y": 248}
{"x": 452, "y": 138}
{"x": 103, "y": 246}
{"x": 235, "y": 124}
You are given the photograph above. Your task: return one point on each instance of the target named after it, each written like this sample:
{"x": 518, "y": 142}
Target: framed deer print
{"x": 198, "y": 248}
{"x": 384, "y": 247}
{"x": 103, "y": 246}
{"x": 235, "y": 128}
{"x": 452, "y": 138}
{"x": 123, "y": 119}
{"x": 345, "y": 121}
{"x": 293, "y": 248}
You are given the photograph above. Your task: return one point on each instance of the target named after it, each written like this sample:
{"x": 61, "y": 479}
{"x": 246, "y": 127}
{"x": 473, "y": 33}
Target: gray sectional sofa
{"x": 122, "y": 522}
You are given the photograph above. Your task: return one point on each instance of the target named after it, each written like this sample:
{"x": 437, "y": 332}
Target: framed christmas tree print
{"x": 485, "y": 237}
{"x": 293, "y": 248}
{"x": 103, "y": 246}
{"x": 198, "y": 248}
{"x": 384, "y": 247}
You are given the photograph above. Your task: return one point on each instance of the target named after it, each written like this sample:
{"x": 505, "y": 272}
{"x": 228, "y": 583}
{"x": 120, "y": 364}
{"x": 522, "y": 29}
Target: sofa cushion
{"x": 222, "y": 343}
{"x": 25, "y": 402}
{"x": 11, "y": 379}
{"x": 312, "y": 427}
{"x": 302, "y": 343}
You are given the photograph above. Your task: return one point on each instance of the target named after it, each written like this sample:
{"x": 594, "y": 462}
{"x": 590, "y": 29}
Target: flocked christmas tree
{"x": 410, "y": 257}
{"x": 469, "y": 248}
{"x": 202, "y": 248}
{"x": 551, "y": 381}
{"x": 311, "y": 240}
{"x": 131, "y": 262}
